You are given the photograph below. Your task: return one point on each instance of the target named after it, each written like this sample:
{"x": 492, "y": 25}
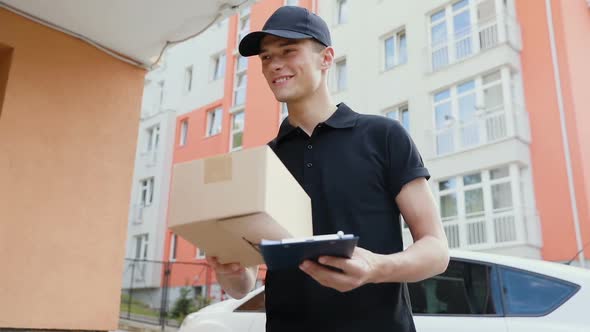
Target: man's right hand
{"x": 235, "y": 279}
{"x": 229, "y": 269}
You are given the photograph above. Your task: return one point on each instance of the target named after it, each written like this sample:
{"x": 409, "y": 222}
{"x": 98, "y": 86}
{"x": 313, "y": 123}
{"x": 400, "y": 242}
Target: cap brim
{"x": 250, "y": 44}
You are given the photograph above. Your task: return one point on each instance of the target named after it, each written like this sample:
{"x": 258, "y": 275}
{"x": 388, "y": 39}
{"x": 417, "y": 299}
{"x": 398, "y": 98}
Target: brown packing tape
{"x": 217, "y": 169}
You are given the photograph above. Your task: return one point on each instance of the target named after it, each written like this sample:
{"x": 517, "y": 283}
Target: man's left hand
{"x": 360, "y": 269}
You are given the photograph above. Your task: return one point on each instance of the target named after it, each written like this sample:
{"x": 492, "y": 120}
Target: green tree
{"x": 202, "y": 301}
{"x": 184, "y": 305}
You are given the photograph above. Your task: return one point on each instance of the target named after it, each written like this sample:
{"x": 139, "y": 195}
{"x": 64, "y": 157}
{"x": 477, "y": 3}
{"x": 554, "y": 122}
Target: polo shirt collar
{"x": 343, "y": 117}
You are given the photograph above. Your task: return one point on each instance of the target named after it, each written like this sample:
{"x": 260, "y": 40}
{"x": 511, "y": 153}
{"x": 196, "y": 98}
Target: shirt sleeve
{"x": 405, "y": 162}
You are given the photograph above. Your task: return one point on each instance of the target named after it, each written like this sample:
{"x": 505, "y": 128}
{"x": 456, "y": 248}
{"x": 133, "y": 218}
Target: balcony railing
{"x": 488, "y": 126}
{"x": 474, "y": 39}
{"x": 488, "y": 230}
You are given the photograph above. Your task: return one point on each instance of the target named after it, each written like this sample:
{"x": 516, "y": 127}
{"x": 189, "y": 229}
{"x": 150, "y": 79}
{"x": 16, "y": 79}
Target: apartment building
{"x": 492, "y": 92}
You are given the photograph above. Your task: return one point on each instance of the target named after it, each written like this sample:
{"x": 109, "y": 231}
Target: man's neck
{"x": 309, "y": 112}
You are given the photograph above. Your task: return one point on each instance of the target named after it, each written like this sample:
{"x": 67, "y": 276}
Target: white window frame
{"x": 476, "y": 30}
{"x": 444, "y": 43}
{"x": 173, "y": 247}
{"x": 214, "y": 122}
{"x": 451, "y": 191}
{"x": 188, "y": 79}
{"x": 243, "y": 24}
{"x": 146, "y": 185}
{"x": 482, "y": 107}
{"x": 234, "y": 131}
{"x": 397, "y": 51}
{"x": 183, "y": 135}
{"x": 240, "y": 73}
{"x": 450, "y": 99}
{"x": 240, "y": 89}
{"x": 336, "y": 75}
{"x": 218, "y": 64}
{"x": 399, "y": 111}
{"x": 199, "y": 254}
{"x": 342, "y": 6}
{"x": 238, "y": 69}
{"x": 153, "y": 138}
{"x": 291, "y": 2}
{"x": 471, "y": 187}
{"x": 141, "y": 246}
{"x": 507, "y": 179}
{"x": 462, "y": 219}
{"x": 482, "y": 111}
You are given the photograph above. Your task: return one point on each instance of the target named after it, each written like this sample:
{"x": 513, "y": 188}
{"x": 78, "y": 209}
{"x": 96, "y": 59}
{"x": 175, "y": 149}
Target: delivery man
{"x": 361, "y": 172}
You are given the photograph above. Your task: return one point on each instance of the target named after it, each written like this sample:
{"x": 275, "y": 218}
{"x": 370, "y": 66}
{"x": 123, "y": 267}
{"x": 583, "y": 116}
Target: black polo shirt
{"x": 352, "y": 167}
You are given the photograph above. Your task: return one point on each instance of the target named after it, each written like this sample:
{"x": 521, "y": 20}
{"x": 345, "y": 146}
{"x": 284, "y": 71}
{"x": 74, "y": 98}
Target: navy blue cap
{"x": 290, "y": 22}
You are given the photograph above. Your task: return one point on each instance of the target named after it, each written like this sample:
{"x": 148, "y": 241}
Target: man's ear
{"x": 327, "y": 58}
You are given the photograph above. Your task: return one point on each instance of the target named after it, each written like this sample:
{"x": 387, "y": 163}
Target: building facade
{"x": 492, "y": 92}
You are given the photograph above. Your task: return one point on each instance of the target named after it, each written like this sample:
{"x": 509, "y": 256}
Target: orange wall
{"x": 187, "y": 274}
{"x": 68, "y": 135}
{"x": 197, "y": 144}
{"x": 261, "y": 125}
{"x": 574, "y": 46}
{"x": 547, "y": 151}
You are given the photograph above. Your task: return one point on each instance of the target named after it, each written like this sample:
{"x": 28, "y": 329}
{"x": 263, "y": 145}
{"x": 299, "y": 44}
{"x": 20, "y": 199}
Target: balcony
{"x": 501, "y": 228}
{"x": 474, "y": 39}
{"x": 488, "y": 126}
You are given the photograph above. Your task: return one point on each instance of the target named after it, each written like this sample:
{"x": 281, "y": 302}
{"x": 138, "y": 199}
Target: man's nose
{"x": 276, "y": 64}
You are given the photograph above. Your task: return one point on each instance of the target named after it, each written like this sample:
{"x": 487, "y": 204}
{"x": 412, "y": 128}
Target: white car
{"x": 478, "y": 292}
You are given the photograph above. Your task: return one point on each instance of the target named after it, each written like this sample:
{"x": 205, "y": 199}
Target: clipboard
{"x": 289, "y": 253}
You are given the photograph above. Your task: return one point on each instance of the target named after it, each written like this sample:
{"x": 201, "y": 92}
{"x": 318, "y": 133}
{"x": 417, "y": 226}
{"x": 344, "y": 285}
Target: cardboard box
{"x": 225, "y": 204}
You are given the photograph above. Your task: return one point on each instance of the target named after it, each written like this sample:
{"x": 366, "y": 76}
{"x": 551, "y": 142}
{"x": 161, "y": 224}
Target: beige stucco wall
{"x": 68, "y": 133}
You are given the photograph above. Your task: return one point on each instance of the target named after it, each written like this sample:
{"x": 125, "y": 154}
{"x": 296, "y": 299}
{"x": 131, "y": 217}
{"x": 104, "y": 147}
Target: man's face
{"x": 292, "y": 67}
